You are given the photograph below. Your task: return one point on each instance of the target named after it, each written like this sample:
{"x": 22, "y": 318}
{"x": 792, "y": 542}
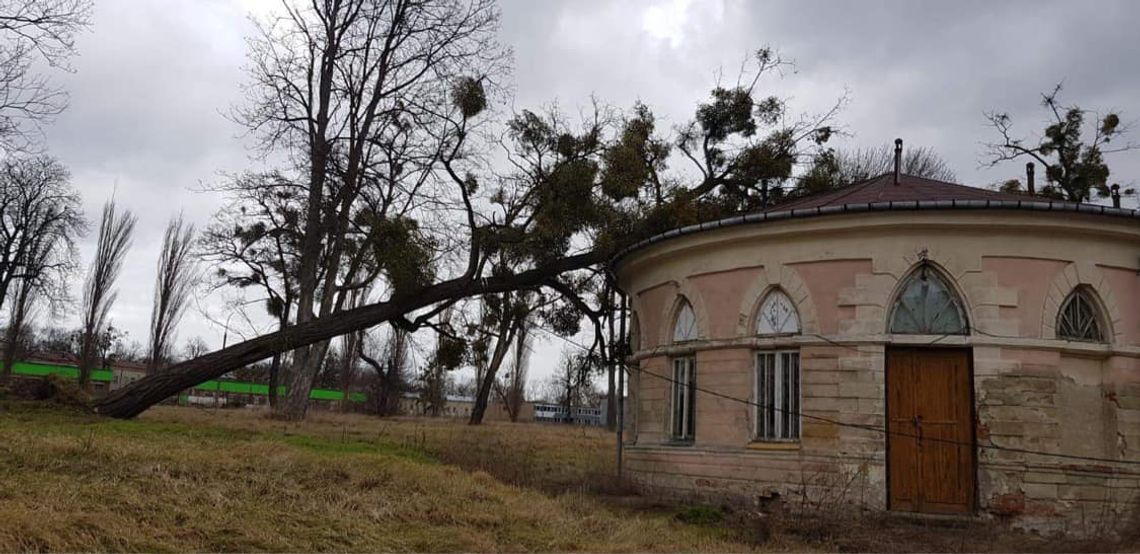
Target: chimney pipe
{"x": 898, "y": 158}
{"x": 1029, "y": 179}
{"x": 1116, "y": 195}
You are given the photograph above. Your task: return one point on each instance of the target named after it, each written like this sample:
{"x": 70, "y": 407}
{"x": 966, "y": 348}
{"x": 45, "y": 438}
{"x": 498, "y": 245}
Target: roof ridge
{"x": 835, "y": 193}
{"x": 883, "y": 188}
{"x": 855, "y": 187}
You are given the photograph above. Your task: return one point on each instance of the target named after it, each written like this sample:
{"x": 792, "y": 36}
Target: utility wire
{"x": 872, "y": 428}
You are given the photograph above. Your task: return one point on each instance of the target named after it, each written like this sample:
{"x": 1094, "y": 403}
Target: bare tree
{"x": 16, "y": 334}
{"x": 571, "y": 385}
{"x": 194, "y": 348}
{"x": 1075, "y": 167}
{"x": 503, "y": 317}
{"x": 40, "y": 219}
{"x": 177, "y": 274}
{"x": 340, "y": 85}
{"x": 389, "y": 377}
{"x": 34, "y": 33}
{"x": 832, "y": 168}
{"x": 99, "y": 293}
{"x": 573, "y": 211}
{"x": 351, "y": 352}
{"x": 254, "y": 244}
{"x": 435, "y": 379}
{"x": 511, "y": 389}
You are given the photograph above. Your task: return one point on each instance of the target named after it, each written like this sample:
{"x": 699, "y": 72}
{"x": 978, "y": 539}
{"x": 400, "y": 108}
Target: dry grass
{"x": 551, "y": 458}
{"x": 184, "y": 479}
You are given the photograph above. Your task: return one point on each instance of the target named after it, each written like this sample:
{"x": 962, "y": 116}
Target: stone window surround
{"x": 802, "y": 302}
{"x": 1073, "y": 275}
{"x": 754, "y": 410}
{"x": 1091, "y": 278}
{"x": 1088, "y": 298}
{"x": 689, "y": 402}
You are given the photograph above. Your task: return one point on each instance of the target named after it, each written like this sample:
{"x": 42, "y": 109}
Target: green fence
{"x": 35, "y": 369}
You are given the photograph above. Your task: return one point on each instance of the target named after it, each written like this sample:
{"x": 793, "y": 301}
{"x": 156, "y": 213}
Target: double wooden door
{"x": 930, "y": 448}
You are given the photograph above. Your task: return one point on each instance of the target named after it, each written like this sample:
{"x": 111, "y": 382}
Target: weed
{"x": 700, "y": 515}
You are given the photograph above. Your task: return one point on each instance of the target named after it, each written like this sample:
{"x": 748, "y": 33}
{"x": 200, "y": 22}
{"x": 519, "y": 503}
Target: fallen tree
{"x": 575, "y": 195}
{"x": 133, "y": 399}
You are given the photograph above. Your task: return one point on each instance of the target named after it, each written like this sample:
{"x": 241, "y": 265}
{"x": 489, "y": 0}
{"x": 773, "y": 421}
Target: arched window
{"x": 927, "y": 306}
{"x": 1079, "y": 318}
{"x": 777, "y": 315}
{"x": 685, "y": 324}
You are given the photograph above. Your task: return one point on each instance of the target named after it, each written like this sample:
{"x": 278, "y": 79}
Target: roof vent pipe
{"x": 1116, "y": 195}
{"x": 1029, "y": 179}
{"x": 898, "y": 158}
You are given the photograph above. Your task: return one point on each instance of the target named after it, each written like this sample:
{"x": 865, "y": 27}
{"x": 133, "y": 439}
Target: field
{"x": 189, "y": 479}
{"x": 182, "y": 479}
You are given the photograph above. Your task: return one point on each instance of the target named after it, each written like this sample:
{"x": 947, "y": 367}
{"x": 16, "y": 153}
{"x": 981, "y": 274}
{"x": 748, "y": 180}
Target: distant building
{"x": 125, "y": 373}
{"x": 460, "y": 407}
{"x": 578, "y": 415}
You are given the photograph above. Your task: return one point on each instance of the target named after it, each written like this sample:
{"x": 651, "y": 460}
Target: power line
{"x": 885, "y": 431}
{"x": 872, "y": 428}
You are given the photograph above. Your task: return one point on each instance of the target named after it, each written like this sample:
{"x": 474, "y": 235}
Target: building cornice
{"x": 1036, "y": 206}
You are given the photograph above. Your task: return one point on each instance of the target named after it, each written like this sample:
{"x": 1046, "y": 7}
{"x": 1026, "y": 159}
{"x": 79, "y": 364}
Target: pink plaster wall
{"x": 1125, "y": 284}
{"x": 653, "y": 304}
{"x": 825, "y": 280}
{"x": 1031, "y": 277}
{"x": 723, "y": 294}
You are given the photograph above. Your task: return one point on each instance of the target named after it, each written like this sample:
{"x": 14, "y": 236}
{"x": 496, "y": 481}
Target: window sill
{"x": 678, "y": 442}
{"x": 773, "y": 445}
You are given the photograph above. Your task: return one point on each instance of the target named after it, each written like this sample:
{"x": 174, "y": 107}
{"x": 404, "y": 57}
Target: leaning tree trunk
{"x": 133, "y": 399}
{"x": 483, "y": 395}
{"x": 301, "y": 381}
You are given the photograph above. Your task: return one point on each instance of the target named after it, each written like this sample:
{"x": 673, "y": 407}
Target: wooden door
{"x": 930, "y": 448}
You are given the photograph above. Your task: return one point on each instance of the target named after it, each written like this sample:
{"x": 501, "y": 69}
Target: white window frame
{"x": 789, "y": 325}
{"x": 682, "y": 401}
{"x": 685, "y": 323}
{"x": 786, "y": 399}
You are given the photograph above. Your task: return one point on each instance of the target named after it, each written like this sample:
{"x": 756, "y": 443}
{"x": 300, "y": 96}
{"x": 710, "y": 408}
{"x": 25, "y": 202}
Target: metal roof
{"x": 909, "y": 188}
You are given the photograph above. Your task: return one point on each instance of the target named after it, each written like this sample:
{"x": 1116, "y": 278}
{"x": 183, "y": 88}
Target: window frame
{"x": 791, "y": 429}
{"x": 693, "y": 330}
{"x": 1096, "y": 315}
{"x": 682, "y": 427}
{"x": 956, "y": 303}
{"x": 775, "y": 295}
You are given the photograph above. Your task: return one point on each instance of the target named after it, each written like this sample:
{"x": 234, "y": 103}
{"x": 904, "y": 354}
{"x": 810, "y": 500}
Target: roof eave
{"x": 910, "y": 205}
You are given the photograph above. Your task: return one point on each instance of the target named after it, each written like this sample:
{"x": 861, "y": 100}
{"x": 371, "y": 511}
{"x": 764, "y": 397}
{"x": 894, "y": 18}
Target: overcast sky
{"x": 154, "y": 79}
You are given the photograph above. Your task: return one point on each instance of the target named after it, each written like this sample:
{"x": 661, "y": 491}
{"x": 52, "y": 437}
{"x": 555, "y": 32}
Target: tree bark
{"x": 506, "y": 334}
{"x": 16, "y": 326}
{"x": 274, "y": 371}
{"x": 135, "y": 398}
